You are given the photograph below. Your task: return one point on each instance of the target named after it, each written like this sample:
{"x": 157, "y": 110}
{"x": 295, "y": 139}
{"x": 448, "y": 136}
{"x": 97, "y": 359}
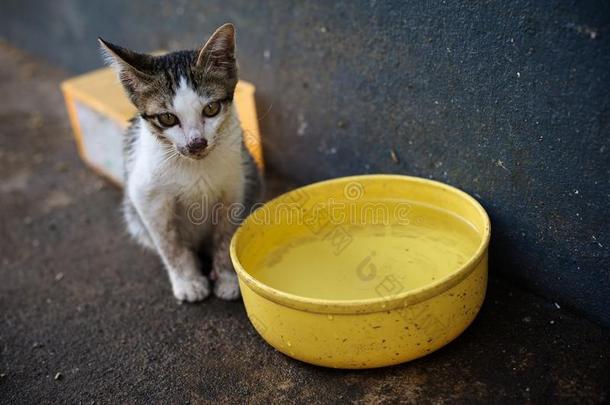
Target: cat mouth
{"x": 196, "y": 155}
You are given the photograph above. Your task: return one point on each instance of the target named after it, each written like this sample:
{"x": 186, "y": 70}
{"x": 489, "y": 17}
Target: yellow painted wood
{"x": 363, "y": 271}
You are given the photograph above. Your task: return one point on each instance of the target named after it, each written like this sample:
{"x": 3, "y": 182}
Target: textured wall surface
{"x": 509, "y": 101}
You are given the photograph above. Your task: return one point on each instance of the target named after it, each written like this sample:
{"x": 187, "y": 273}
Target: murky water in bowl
{"x": 372, "y": 260}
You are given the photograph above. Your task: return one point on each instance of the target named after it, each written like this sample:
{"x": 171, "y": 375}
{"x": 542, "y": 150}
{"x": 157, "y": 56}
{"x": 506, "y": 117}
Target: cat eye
{"x": 211, "y": 109}
{"x": 167, "y": 119}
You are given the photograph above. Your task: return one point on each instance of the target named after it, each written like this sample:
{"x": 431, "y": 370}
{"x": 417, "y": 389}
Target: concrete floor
{"x": 79, "y": 301}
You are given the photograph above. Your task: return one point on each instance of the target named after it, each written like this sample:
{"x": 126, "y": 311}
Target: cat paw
{"x": 226, "y": 286}
{"x": 190, "y": 289}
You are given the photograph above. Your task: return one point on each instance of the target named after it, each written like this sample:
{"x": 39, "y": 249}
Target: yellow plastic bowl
{"x": 363, "y": 271}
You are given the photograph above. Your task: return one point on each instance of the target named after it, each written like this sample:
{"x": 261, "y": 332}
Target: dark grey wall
{"x": 507, "y": 100}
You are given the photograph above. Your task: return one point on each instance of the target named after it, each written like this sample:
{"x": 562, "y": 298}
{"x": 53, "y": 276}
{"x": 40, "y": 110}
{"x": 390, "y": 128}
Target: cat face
{"x": 185, "y": 96}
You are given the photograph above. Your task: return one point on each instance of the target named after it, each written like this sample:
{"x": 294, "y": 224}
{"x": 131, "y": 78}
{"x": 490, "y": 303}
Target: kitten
{"x": 184, "y": 152}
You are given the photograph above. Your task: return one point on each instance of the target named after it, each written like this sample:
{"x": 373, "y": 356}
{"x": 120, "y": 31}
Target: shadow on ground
{"x": 87, "y": 316}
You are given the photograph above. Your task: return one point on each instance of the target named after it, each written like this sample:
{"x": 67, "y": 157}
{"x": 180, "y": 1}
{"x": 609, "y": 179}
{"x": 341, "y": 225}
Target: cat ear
{"x": 217, "y": 56}
{"x": 135, "y": 70}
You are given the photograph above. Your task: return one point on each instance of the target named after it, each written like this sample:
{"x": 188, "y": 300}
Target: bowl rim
{"x": 376, "y": 304}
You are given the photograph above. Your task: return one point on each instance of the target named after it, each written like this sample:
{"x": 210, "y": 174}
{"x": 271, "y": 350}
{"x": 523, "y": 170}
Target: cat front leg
{"x": 226, "y": 286}
{"x": 157, "y": 213}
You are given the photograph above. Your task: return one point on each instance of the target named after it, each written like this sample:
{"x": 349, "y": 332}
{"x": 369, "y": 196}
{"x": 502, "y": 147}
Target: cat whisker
{"x": 169, "y": 156}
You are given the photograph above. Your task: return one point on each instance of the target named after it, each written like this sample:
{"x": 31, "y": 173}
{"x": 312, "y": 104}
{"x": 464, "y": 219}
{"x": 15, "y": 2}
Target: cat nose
{"x": 197, "y": 145}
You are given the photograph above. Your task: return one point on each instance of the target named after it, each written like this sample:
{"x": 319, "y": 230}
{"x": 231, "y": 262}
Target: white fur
{"x": 190, "y": 289}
